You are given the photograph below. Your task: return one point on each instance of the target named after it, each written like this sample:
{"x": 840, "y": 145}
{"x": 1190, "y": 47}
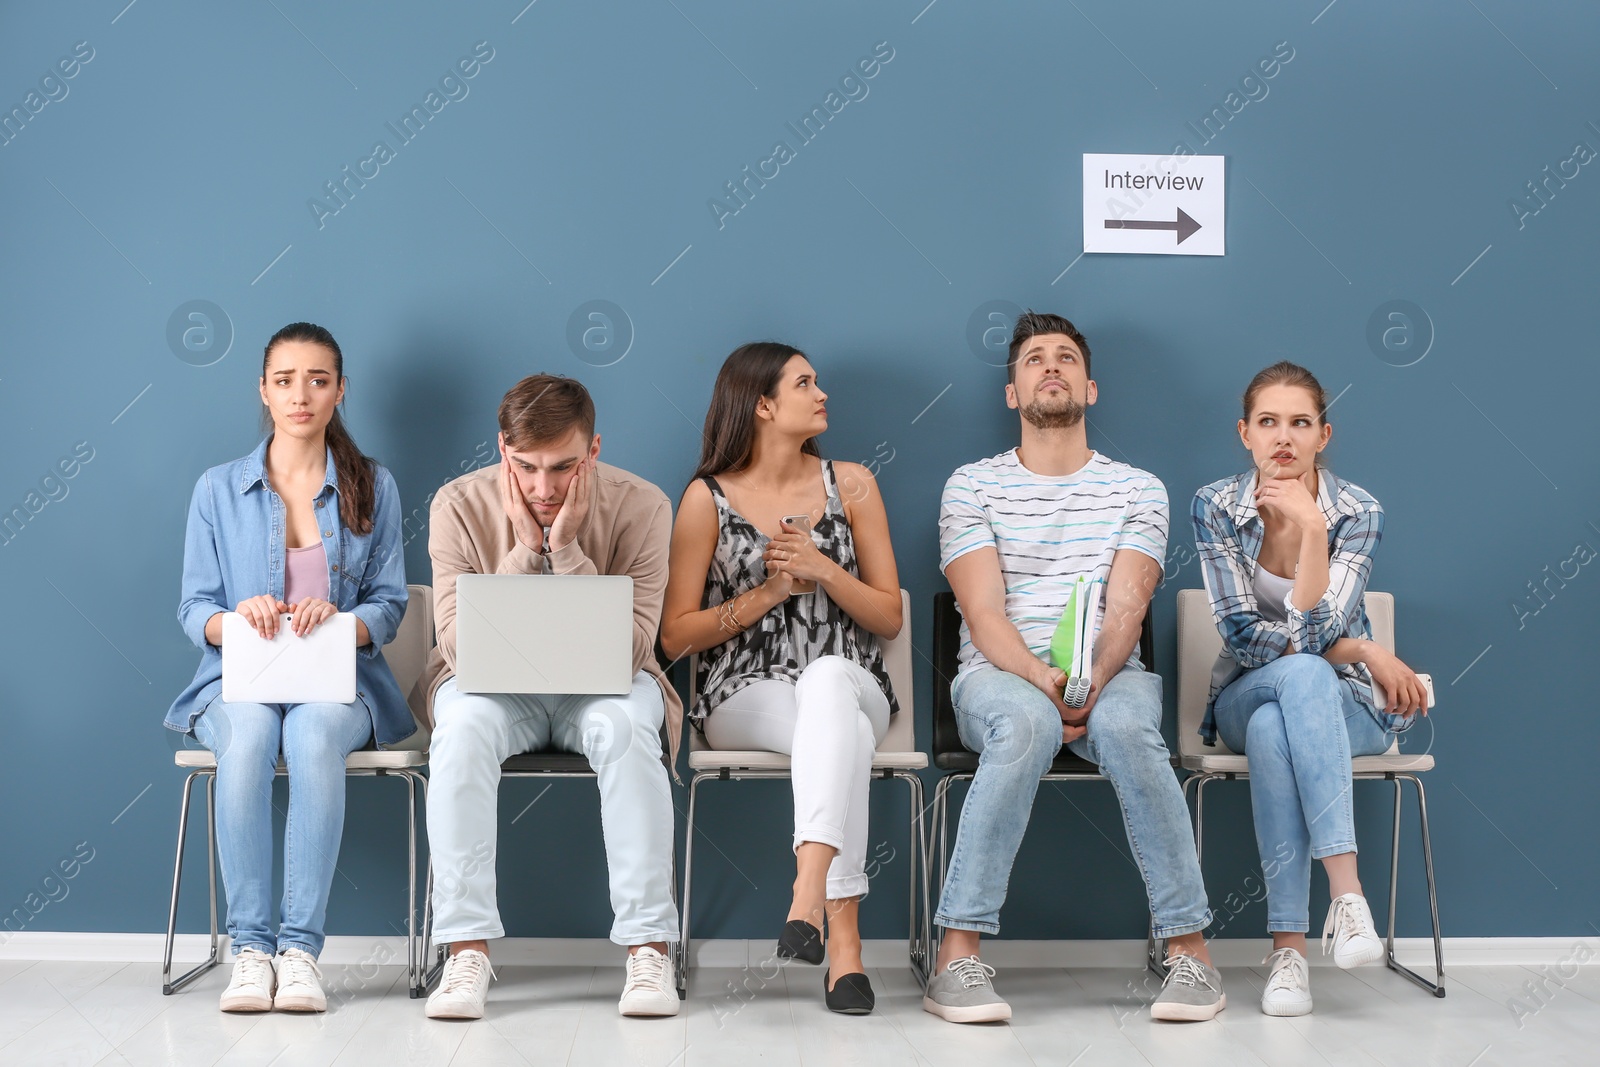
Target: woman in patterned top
{"x": 1286, "y": 550}
{"x": 787, "y": 623}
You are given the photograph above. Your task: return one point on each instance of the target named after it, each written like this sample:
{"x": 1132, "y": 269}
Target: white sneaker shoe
{"x": 1349, "y": 928}
{"x": 299, "y": 983}
{"x": 649, "y": 989}
{"x": 1288, "y": 989}
{"x": 463, "y": 987}
{"x": 250, "y": 988}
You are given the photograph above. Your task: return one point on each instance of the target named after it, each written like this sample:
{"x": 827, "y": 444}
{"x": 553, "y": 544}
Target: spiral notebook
{"x": 1072, "y": 646}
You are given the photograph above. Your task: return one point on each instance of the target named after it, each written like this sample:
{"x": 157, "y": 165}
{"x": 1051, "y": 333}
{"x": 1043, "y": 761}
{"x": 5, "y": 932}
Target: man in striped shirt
{"x": 1016, "y": 531}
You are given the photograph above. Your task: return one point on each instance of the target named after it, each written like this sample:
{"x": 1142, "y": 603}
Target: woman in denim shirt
{"x": 304, "y": 525}
{"x": 1286, "y": 550}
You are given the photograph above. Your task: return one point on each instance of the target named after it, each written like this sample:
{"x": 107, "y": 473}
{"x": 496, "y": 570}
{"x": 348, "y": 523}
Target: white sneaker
{"x": 649, "y": 989}
{"x": 463, "y": 987}
{"x": 1288, "y": 989}
{"x": 250, "y": 988}
{"x": 1349, "y": 928}
{"x": 299, "y": 983}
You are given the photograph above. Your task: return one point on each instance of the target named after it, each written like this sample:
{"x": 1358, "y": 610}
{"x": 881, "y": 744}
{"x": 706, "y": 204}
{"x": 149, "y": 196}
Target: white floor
{"x": 55, "y": 1014}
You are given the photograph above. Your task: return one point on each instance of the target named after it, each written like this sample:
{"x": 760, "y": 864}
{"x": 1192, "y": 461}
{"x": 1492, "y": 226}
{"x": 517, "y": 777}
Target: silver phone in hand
{"x": 803, "y": 524}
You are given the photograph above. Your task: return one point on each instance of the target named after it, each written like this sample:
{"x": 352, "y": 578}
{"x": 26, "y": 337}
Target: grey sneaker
{"x": 1191, "y": 993}
{"x": 962, "y": 993}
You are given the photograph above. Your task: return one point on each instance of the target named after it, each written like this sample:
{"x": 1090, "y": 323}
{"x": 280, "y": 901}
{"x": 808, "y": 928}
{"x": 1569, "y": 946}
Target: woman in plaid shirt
{"x": 1286, "y": 549}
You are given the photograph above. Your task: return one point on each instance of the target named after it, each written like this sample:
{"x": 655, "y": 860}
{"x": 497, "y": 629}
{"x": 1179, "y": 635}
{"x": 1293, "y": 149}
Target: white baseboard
{"x": 598, "y": 952}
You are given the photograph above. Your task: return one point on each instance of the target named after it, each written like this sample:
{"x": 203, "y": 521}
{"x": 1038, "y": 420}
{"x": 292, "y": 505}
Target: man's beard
{"x": 1053, "y": 415}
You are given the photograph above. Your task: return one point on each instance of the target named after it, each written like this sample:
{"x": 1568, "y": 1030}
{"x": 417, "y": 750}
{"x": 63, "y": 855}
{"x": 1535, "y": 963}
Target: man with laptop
{"x": 540, "y": 649}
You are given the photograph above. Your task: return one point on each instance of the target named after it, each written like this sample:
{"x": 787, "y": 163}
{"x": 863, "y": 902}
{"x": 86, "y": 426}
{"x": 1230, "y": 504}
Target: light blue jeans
{"x": 314, "y": 740}
{"x": 620, "y": 736}
{"x": 1016, "y": 731}
{"x": 1300, "y": 724}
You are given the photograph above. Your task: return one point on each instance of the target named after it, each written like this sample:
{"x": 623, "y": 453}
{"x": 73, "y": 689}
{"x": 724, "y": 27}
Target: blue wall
{"x": 578, "y": 164}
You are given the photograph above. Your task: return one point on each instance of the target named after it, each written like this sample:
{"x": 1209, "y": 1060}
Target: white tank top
{"x": 1272, "y": 595}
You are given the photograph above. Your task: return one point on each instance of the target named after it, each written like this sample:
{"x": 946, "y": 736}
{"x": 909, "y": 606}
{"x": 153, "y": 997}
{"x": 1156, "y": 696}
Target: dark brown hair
{"x": 1285, "y": 373}
{"x": 749, "y": 373}
{"x": 355, "y": 472}
{"x": 543, "y": 408}
{"x": 1033, "y": 323}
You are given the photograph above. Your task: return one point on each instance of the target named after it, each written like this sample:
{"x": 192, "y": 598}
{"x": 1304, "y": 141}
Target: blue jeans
{"x": 1299, "y": 724}
{"x": 314, "y": 740}
{"x": 1016, "y": 731}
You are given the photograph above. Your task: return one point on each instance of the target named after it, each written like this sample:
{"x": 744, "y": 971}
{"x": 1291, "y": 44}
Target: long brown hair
{"x": 354, "y": 470}
{"x": 749, "y": 373}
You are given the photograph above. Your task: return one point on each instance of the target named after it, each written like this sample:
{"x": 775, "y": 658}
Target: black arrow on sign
{"x": 1184, "y": 226}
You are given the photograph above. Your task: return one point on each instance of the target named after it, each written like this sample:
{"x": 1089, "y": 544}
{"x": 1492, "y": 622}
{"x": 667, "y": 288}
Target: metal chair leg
{"x": 413, "y": 951}
{"x": 1200, "y": 818}
{"x": 940, "y": 845}
{"x": 1435, "y": 987}
{"x": 917, "y": 914}
{"x": 168, "y": 986}
{"x": 688, "y": 887}
{"x": 430, "y": 972}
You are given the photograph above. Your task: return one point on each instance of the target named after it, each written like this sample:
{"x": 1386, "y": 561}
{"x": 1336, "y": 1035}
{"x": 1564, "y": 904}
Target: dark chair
{"x": 960, "y": 763}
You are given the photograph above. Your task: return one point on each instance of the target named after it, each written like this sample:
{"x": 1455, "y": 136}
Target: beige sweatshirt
{"x": 628, "y": 531}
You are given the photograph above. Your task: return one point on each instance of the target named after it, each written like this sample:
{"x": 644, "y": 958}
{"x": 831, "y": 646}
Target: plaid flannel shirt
{"x": 1228, "y": 532}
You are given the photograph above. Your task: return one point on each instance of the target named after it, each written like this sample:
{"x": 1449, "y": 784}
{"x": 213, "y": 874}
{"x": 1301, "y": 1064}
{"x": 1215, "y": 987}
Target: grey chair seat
{"x": 191, "y": 759}
{"x": 1395, "y": 763}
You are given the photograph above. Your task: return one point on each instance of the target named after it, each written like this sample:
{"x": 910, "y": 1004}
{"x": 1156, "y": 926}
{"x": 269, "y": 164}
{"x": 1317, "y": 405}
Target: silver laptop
{"x": 544, "y": 633}
{"x": 317, "y": 668}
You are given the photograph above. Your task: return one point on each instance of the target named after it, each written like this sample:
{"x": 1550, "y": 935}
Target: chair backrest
{"x": 1199, "y": 644}
{"x": 947, "y": 650}
{"x": 896, "y": 661}
{"x": 407, "y": 654}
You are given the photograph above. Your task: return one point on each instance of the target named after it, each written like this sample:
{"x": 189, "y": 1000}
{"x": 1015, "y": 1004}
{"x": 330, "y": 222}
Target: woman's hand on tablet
{"x": 262, "y": 612}
{"x": 309, "y": 614}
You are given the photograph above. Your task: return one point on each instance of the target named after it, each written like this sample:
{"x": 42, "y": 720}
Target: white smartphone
{"x": 803, "y": 524}
{"x": 1381, "y": 699}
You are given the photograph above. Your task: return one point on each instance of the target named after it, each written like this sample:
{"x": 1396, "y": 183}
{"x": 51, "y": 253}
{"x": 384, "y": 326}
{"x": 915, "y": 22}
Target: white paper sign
{"x": 1154, "y": 205}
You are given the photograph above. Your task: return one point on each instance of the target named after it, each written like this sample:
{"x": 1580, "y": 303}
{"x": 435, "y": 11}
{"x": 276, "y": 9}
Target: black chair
{"x": 960, "y": 763}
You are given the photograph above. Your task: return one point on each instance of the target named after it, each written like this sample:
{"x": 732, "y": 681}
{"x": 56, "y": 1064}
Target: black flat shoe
{"x": 850, "y": 995}
{"x": 800, "y": 941}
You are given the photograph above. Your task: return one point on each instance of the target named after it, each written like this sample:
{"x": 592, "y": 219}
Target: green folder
{"x": 1066, "y": 635}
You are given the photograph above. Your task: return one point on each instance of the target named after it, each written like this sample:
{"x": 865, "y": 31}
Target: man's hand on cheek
{"x": 575, "y": 507}
{"x": 523, "y": 522}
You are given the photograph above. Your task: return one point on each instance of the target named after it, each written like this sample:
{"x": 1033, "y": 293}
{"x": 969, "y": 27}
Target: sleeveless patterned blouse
{"x": 801, "y": 629}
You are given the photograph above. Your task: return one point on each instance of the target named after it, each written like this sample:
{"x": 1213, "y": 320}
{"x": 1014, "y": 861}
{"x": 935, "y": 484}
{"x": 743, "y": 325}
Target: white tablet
{"x": 318, "y": 668}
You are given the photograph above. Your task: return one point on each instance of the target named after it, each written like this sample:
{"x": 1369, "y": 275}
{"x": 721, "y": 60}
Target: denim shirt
{"x": 1228, "y": 534}
{"x": 234, "y": 549}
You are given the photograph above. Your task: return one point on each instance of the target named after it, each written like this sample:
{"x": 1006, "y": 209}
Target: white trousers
{"x": 620, "y": 736}
{"x": 829, "y": 723}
